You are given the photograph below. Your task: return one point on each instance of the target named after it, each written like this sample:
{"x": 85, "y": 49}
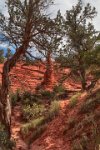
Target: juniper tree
{"x": 25, "y": 21}
{"x": 49, "y": 45}
{"x": 80, "y": 37}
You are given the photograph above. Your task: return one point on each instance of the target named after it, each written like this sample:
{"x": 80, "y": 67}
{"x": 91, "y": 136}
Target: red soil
{"x": 27, "y": 78}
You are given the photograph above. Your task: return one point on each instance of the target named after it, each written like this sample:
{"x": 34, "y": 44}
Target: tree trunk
{"x": 49, "y": 74}
{"x": 5, "y": 104}
{"x": 82, "y": 73}
{"x": 83, "y": 79}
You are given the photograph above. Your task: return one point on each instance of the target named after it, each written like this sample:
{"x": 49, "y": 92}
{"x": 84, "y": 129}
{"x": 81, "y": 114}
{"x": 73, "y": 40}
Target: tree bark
{"x": 83, "y": 79}
{"x": 5, "y": 117}
{"x": 82, "y": 74}
{"x": 5, "y": 107}
{"x": 49, "y": 74}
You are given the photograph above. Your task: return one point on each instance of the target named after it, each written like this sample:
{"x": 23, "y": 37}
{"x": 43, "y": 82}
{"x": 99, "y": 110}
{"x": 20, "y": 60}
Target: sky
{"x": 64, "y": 5}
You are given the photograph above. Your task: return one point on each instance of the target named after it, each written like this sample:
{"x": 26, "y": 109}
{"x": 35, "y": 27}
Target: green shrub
{"x": 5, "y": 143}
{"x": 43, "y": 120}
{"x": 54, "y": 109}
{"x": 28, "y": 98}
{"x": 27, "y": 94}
{"x": 37, "y": 133}
{"x": 60, "y": 92}
{"x": 90, "y": 105}
{"x": 59, "y": 89}
{"x": 74, "y": 100}
{"x": 15, "y": 97}
{"x": 32, "y": 125}
{"x": 70, "y": 124}
{"x": 33, "y": 112}
{"x": 47, "y": 94}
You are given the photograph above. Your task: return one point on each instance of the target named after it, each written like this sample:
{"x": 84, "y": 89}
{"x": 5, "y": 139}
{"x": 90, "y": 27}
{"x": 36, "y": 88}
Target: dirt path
{"x": 16, "y": 125}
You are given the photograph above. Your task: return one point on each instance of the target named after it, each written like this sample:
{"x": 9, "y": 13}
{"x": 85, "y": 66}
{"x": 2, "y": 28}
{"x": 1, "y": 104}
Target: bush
{"x": 90, "y": 105}
{"x": 47, "y": 94}
{"x": 37, "y": 133}
{"x": 32, "y": 125}
{"x": 32, "y": 112}
{"x": 60, "y": 92}
{"x": 26, "y": 94}
{"x": 41, "y": 120}
{"x": 15, "y": 97}
{"x": 5, "y": 144}
{"x": 74, "y": 100}
{"x": 29, "y": 98}
{"x": 54, "y": 109}
{"x": 59, "y": 89}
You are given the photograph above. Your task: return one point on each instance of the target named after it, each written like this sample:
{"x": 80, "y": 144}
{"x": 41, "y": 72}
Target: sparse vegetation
{"x": 59, "y": 89}
{"x": 15, "y": 97}
{"x": 91, "y": 103}
{"x": 74, "y": 100}
{"x": 31, "y": 125}
{"x": 40, "y": 121}
{"x": 32, "y": 112}
{"x": 4, "y": 143}
{"x": 47, "y": 95}
{"x": 37, "y": 133}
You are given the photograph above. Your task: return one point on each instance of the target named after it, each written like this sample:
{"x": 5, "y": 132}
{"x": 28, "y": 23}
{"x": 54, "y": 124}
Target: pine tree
{"x": 26, "y": 20}
{"x": 80, "y": 37}
{"x": 49, "y": 45}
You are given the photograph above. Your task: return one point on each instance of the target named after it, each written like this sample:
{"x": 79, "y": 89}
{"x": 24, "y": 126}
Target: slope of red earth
{"x": 60, "y": 135}
{"x": 28, "y": 77}
{"x": 25, "y": 77}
